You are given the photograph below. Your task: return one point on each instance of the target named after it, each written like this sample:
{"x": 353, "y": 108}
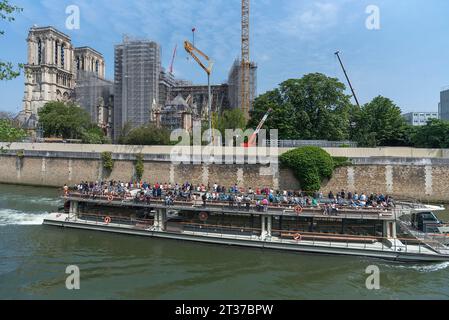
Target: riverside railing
{"x": 307, "y": 143}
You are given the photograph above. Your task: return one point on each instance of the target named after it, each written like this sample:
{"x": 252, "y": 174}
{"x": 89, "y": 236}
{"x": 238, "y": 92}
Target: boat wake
{"x": 32, "y": 200}
{"x": 14, "y": 217}
{"x": 426, "y": 268}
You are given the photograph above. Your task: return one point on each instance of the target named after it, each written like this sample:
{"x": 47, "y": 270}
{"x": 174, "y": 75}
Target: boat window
{"x": 428, "y": 216}
{"x": 432, "y": 229}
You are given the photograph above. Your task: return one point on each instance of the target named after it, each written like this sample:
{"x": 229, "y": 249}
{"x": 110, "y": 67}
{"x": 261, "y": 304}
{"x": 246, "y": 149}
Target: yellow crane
{"x": 191, "y": 49}
{"x": 194, "y": 52}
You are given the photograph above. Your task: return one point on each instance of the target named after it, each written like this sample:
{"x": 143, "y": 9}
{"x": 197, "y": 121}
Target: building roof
{"x": 85, "y": 48}
{"x": 50, "y": 28}
{"x": 29, "y": 123}
{"x": 179, "y": 101}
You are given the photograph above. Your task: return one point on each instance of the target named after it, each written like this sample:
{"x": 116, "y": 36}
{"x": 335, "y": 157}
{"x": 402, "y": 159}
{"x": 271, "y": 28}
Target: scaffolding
{"x": 199, "y": 96}
{"x": 137, "y": 76}
{"x": 235, "y": 84}
{"x": 95, "y": 95}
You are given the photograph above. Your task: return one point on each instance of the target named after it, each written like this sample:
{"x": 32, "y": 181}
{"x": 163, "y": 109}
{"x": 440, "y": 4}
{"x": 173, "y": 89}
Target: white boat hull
{"x": 397, "y": 252}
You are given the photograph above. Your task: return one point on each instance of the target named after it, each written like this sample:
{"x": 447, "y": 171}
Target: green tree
{"x": 231, "y": 119}
{"x": 380, "y": 123}
{"x": 433, "y": 135}
{"x": 94, "y": 135}
{"x": 228, "y": 119}
{"x": 69, "y": 121}
{"x": 147, "y": 135}
{"x": 127, "y": 127}
{"x": 64, "y": 120}
{"x": 7, "y": 69}
{"x": 9, "y": 132}
{"x": 312, "y": 107}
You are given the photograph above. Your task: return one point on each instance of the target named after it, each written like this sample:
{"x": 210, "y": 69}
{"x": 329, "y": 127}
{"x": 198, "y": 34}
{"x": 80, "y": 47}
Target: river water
{"x": 33, "y": 261}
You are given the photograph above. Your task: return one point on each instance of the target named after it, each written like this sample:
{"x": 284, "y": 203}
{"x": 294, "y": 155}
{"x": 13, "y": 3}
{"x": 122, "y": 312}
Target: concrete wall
{"x": 420, "y": 174}
{"x": 396, "y": 152}
{"x": 58, "y": 171}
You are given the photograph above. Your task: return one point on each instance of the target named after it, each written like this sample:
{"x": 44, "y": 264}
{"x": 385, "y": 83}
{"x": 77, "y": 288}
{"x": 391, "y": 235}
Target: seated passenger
{"x": 265, "y": 204}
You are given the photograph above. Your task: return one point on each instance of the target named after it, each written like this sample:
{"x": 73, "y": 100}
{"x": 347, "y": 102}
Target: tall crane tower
{"x": 245, "y": 72}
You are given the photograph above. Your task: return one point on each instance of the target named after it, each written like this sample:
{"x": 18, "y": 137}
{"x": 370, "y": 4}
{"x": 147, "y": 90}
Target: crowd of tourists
{"x": 234, "y": 195}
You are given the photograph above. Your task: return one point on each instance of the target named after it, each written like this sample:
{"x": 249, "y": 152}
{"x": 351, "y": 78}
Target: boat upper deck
{"x": 342, "y": 212}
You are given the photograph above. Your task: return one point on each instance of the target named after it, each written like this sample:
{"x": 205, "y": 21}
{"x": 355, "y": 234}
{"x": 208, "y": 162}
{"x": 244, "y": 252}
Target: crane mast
{"x": 245, "y": 66}
{"x": 173, "y": 60}
{"x": 196, "y": 53}
{"x": 347, "y": 78}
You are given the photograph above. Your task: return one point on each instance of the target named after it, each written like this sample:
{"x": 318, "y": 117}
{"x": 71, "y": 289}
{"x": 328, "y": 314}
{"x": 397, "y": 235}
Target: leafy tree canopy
{"x": 433, "y": 135}
{"x": 380, "y": 123}
{"x": 231, "y": 119}
{"x": 94, "y": 135}
{"x": 69, "y": 121}
{"x": 9, "y": 132}
{"x": 64, "y": 120}
{"x": 146, "y": 135}
{"x": 7, "y": 11}
{"x": 312, "y": 107}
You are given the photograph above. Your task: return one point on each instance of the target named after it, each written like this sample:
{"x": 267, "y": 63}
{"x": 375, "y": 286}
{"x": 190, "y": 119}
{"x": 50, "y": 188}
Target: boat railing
{"x": 315, "y": 239}
{"x": 100, "y": 219}
{"x": 282, "y": 236}
{"x": 244, "y": 207}
{"x": 434, "y": 241}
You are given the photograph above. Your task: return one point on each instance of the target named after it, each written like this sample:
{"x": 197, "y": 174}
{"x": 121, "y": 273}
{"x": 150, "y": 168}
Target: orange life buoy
{"x": 298, "y": 209}
{"x": 110, "y": 198}
{"x": 204, "y": 216}
{"x": 107, "y": 220}
{"x": 297, "y": 237}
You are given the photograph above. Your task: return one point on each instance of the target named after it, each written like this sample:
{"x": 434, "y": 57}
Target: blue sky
{"x": 406, "y": 60}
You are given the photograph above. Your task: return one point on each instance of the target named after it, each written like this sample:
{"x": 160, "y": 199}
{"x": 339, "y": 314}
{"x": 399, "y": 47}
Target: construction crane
{"x": 246, "y": 65}
{"x": 173, "y": 59}
{"x": 252, "y": 139}
{"x": 347, "y": 78}
{"x": 190, "y": 48}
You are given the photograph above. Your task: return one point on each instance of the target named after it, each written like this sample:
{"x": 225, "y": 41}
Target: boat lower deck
{"x": 392, "y": 249}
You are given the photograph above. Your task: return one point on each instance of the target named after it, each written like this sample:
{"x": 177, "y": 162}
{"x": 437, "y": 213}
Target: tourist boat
{"x": 422, "y": 222}
{"x": 368, "y": 232}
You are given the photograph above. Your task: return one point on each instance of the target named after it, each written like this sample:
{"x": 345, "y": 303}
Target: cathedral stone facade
{"x": 56, "y": 69}
{"x": 50, "y": 73}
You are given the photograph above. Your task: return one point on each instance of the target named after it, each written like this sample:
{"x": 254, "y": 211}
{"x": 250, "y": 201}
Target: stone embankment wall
{"x": 403, "y": 172}
{"x": 56, "y": 165}
{"x": 414, "y": 179}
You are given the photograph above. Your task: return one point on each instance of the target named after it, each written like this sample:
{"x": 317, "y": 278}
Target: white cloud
{"x": 304, "y": 21}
